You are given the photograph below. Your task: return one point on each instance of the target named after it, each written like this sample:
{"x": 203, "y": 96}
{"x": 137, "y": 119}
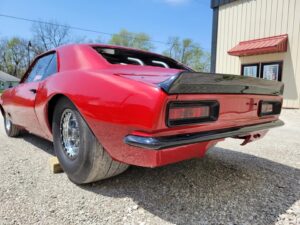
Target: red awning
{"x": 260, "y": 46}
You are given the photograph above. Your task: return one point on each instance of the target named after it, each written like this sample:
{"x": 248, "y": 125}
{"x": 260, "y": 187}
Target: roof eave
{"x": 218, "y": 3}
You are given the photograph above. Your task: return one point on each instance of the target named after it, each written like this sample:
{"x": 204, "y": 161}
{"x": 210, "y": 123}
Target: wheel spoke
{"x": 70, "y": 134}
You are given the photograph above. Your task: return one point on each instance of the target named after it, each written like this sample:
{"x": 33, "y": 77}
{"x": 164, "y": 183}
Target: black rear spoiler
{"x": 208, "y": 83}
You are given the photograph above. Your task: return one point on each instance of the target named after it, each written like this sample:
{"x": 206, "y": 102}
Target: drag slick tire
{"x": 80, "y": 154}
{"x": 11, "y": 129}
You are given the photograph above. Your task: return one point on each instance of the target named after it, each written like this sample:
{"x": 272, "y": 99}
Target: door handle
{"x": 33, "y": 91}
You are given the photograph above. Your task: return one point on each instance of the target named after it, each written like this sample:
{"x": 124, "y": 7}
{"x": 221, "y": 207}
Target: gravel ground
{"x": 255, "y": 184}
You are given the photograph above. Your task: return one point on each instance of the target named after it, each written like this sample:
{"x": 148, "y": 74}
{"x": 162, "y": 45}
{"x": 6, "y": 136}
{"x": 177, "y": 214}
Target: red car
{"x": 107, "y": 107}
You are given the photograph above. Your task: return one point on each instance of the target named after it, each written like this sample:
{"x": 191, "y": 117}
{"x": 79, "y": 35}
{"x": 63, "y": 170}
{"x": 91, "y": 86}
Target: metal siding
{"x": 221, "y": 25}
{"x": 262, "y": 18}
{"x": 279, "y": 17}
{"x": 253, "y": 19}
{"x": 268, "y": 21}
{"x": 229, "y": 31}
{"x": 246, "y": 20}
{"x": 273, "y": 18}
{"x": 234, "y": 37}
{"x": 296, "y": 49}
{"x": 285, "y": 12}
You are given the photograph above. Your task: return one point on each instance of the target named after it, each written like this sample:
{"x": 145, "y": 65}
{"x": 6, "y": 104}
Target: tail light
{"x": 183, "y": 113}
{"x": 267, "y": 108}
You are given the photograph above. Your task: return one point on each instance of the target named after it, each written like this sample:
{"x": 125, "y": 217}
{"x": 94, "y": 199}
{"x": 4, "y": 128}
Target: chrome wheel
{"x": 8, "y": 123}
{"x": 70, "y": 134}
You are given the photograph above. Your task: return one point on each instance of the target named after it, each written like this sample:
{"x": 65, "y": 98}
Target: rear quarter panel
{"x": 112, "y": 106}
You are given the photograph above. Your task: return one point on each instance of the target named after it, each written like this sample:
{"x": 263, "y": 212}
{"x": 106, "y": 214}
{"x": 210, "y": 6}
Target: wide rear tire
{"x": 80, "y": 154}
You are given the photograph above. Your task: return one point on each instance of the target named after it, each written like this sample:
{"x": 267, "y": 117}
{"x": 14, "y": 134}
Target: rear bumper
{"x": 158, "y": 143}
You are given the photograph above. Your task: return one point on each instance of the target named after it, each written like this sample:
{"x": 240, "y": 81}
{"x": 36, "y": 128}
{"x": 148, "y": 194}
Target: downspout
{"x": 214, "y": 40}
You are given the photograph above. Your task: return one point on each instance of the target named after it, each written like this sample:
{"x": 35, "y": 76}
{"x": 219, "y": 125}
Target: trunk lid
{"x": 206, "y": 83}
{"x": 174, "y": 81}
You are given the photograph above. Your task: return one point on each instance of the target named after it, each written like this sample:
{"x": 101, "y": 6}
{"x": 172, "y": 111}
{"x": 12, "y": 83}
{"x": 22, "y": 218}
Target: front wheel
{"x": 10, "y": 129}
{"x": 80, "y": 154}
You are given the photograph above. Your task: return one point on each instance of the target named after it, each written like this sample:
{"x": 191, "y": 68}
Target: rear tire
{"x": 11, "y": 129}
{"x": 80, "y": 154}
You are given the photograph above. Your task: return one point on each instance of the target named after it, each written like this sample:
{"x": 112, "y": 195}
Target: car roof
{"x": 84, "y": 46}
{"x": 107, "y": 46}
{"x": 66, "y": 46}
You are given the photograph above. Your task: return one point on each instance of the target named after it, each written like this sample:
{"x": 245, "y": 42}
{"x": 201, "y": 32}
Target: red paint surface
{"x": 118, "y": 100}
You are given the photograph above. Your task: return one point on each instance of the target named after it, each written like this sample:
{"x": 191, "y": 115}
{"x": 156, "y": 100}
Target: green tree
{"x": 206, "y": 61}
{"x": 130, "y": 39}
{"x": 188, "y": 52}
{"x": 14, "y": 56}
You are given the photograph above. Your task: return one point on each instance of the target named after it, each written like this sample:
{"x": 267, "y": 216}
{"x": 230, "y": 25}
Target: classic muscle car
{"x": 107, "y": 107}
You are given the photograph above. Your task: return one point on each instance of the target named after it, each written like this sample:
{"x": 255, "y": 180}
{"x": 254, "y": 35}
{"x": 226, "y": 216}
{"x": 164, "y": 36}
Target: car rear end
{"x": 173, "y": 113}
{"x": 202, "y": 109}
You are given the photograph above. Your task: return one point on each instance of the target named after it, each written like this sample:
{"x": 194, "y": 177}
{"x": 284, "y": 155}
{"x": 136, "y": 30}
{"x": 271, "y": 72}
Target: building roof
{"x": 8, "y": 78}
{"x": 218, "y": 3}
{"x": 260, "y": 46}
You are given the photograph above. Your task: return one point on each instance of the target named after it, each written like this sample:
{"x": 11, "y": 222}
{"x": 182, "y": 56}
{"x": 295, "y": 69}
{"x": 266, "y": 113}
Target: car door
{"x": 24, "y": 95}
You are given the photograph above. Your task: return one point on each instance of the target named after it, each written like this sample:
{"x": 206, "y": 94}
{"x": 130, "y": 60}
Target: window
{"x": 250, "y": 70}
{"x": 268, "y": 71}
{"x": 52, "y": 67}
{"x": 139, "y": 58}
{"x": 271, "y": 71}
{"x": 43, "y": 67}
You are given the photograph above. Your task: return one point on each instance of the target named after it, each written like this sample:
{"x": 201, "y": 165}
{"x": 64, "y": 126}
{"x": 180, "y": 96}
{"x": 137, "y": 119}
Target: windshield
{"x": 132, "y": 57}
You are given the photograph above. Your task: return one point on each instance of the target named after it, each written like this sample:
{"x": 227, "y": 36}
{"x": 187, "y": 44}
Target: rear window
{"x": 132, "y": 57}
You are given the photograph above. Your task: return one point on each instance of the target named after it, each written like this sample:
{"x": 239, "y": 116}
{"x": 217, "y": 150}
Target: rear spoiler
{"x": 209, "y": 83}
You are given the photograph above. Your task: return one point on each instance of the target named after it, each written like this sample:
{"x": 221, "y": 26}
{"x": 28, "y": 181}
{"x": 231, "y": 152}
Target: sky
{"x": 160, "y": 19}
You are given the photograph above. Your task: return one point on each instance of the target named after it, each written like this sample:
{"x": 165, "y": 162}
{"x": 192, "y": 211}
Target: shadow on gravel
{"x": 225, "y": 187}
{"x": 38, "y": 142}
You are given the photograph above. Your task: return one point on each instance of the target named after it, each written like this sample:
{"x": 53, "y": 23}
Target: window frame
{"x": 260, "y": 68}
{"x": 45, "y": 76}
{"x": 248, "y": 65}
{"x": 156, "y": 56}
{"x": 29, "y": 69}
{"x": 280, "y": 68}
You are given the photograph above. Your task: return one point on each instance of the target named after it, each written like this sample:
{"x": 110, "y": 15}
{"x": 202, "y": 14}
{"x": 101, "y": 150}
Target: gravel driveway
{"x": 255, "y": 184}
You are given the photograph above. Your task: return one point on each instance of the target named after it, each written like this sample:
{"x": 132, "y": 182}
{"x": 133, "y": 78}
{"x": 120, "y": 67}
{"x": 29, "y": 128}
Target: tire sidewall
{"x": 10, "y": 131}
{"x": 79, "y": 168}
{"x": 7, "y": 131}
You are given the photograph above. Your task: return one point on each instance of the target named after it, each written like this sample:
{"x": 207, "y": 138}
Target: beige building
{"x": 259, "y": 38}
